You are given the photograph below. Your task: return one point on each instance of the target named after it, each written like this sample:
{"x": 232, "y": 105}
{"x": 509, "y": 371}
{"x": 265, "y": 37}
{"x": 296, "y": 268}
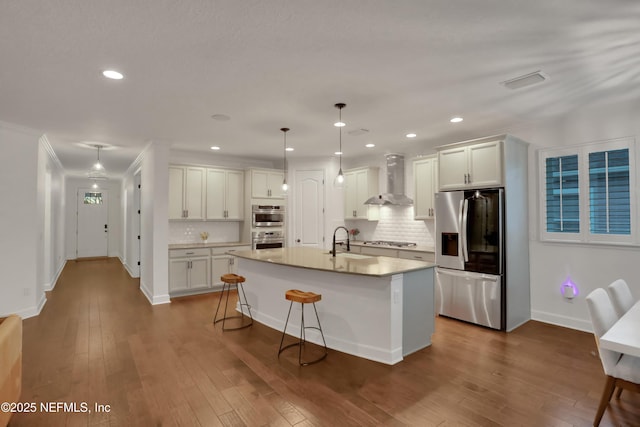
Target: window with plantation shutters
{"x": 609, "y": 198}
{"x": 588, "y": 193}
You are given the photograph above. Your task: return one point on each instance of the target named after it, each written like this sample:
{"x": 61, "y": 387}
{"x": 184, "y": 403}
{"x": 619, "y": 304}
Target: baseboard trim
{"x": 51, "y": 286}
{"x": 564, "y": 321}
{"x": 154, "y": 299}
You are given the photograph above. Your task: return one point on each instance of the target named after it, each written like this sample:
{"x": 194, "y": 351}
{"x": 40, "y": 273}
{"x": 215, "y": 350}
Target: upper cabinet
{"x": 225, "y": 194}
{"x": 425, "y": 175}
{"x": 359, "y": 185}
{"x": 186, "y": 192}
{"x": 266, "y": 184}
{"x": 472, "y": 165}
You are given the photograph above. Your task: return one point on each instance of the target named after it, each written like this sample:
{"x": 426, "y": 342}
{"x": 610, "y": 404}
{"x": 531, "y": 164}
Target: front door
{"x": 92, "y": 231}
{"x": 309, "y": 209}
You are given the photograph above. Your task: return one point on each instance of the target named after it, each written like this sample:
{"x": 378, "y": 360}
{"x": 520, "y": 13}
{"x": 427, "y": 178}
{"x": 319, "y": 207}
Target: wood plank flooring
{"x": 98, "y": 340}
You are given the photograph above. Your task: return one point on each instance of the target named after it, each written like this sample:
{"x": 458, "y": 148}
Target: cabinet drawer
{"x": 224, "y": 250}
{"x": 420, "y": 256}
{"x": 187, "y": 253}
{"x": 367, "y": 250}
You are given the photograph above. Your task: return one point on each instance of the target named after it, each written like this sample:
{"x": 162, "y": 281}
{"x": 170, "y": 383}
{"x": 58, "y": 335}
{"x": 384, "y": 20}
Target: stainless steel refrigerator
{"x": 470, "y": 253}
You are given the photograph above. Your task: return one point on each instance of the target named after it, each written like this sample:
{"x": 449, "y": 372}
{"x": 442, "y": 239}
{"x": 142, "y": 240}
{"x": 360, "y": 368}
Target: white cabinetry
{"x": 419, "y": 256}
{"x": 359, "y": 185}
{"x": 225, "y": 194}
{"x": 266, "y": 184}
{"x": 378, "y": 251}
{"x": 186, "y": 192}
{"x": 189, "y": 270}
{"x": 472, "y": 165}
{"x": 425, "y": 175}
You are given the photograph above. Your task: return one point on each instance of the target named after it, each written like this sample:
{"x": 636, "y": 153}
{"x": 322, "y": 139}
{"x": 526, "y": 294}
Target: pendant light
{"x": 285, "y": 186}
{"x": 97, "y": 171}
{"x": 340, "y": 124}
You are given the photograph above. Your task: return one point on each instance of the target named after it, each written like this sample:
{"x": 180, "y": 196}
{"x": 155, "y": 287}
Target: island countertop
{"x": 344, "y": 262}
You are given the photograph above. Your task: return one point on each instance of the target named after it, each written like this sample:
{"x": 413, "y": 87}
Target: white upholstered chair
{"x": 620, "y": 296}
{"x": 621, "y": 370}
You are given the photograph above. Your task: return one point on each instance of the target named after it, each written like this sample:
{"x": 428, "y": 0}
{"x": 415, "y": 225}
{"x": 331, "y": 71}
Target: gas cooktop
{"x": 388, "y": 243}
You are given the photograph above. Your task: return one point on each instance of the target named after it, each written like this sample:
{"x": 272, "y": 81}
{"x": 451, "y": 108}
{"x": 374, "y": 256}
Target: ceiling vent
{"x": 526, "y": 80}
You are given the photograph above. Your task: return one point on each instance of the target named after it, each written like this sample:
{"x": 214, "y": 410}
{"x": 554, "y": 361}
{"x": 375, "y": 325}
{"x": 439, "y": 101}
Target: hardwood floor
{"x": 98, "y": 340}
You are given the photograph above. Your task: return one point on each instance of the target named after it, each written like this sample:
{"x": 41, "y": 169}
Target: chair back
{"x": 621, "y": 296}
{"x": 603, "y": 316}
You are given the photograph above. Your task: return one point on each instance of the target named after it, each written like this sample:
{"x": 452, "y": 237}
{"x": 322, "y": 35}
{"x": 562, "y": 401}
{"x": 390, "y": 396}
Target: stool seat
{"x": 232, "y": 278}
{"x": 302, "y": 297}
{"x": 296, "y": 295}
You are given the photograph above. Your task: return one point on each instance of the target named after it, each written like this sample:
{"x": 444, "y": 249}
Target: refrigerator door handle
{"x": 463, "y": 230}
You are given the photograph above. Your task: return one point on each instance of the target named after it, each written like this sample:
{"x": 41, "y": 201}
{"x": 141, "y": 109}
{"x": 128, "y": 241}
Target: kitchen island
{"x": 375, "y": 307}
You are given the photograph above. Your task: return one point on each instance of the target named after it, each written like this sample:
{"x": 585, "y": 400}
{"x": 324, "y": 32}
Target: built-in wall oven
{"x": 267, "y": 240}
{"x": 267, "y": 216}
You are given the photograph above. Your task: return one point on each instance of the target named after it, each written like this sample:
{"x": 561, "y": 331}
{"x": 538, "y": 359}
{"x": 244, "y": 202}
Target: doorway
{"x": 309, "y": 209}
{"x": 93, "y": 225}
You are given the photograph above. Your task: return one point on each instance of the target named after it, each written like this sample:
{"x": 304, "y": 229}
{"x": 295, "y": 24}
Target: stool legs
{"x": 302, "y": 341}
{"x": 241, "y": 297}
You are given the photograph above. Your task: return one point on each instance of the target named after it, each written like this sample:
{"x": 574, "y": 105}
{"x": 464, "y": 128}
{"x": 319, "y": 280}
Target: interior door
{"x": 93, "y": 224}
{"x": 309, "y": 209}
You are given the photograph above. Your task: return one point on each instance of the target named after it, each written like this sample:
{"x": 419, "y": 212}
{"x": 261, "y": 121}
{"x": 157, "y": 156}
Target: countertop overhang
{"x": 344, "y": 262}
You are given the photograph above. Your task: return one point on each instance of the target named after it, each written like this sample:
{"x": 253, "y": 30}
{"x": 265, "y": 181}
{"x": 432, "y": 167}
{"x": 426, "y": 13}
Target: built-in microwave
{"x": 267, "y": 216}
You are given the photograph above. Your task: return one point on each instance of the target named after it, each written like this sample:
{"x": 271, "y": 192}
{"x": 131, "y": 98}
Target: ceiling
{"x": 400, "y": 66}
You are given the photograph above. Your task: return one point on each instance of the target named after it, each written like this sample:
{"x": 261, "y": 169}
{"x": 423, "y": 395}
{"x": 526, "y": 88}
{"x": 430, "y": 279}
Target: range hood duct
{"x": 395, "y": 184}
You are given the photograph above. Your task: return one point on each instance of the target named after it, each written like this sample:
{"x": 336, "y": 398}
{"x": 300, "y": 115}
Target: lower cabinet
{"x": 193, "y": 271}
{"x": 189, "y": 269}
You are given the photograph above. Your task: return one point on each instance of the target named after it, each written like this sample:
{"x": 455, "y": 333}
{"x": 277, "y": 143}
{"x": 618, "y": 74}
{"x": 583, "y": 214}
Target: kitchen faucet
{"x": 333, "y": 251}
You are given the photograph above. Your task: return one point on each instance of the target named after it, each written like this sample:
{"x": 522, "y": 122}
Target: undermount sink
{"x": 352, "y": 256}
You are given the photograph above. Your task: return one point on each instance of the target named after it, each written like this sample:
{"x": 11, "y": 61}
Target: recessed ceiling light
{"x": 456, "y": 120}
{"x": 370, "y": 145}
{"x": 411, "y": 135}
{"x": 338, "y": 153}
{"x": 221, "y": 117}
{"x": 215, "y": 147}
{"x": 112, "y": 74}
{"x": 339, "y": 124}
{"x": 289, "y": 148}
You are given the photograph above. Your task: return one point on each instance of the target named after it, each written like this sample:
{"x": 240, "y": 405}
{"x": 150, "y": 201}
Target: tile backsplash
{"x": 189, "y": 231}
{"x": 397, "y": 224}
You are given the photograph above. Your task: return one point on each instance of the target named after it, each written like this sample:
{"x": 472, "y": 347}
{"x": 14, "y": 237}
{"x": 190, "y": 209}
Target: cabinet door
{"x": 275, "y": 185}
{"x": 178, "y": 274}
{"x": 350, "y": 195}
{"x": 424, "y": 173}
{"x": 215, "y": 194}
{"x": 452, "y": 167}
{"x": 235, "y": 195}
{"x": 219, "y": 266}
{"x": 485, "y": 164}
{"x": 362, "y": 194}
{"x": 194, "y": 193}
{"x": 199, "y": 273}
{"x": 176, "y": 193}
{"x": 259, "y": 184}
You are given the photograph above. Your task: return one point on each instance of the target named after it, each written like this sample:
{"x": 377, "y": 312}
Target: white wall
{"x": 114, "y": 187}
{"x": 589, "y": 267}
{"x": 51, "y": 212}
{"x": 20, "y": 224}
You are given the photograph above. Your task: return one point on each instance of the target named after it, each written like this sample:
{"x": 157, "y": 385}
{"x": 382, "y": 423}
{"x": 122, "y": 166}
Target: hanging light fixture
{"x": 340, "y": 124}
{"x": 285, "y": 186}
{"x": 97, "y": 171}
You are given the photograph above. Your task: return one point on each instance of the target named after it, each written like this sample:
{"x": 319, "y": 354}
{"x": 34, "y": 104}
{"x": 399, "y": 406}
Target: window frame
{"x": 585, "y": 235}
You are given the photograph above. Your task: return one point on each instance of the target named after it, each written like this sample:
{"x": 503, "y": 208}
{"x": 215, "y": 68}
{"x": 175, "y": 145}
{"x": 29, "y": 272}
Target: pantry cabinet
{"x": 225, "y": 195}
{"x": 470, "y": 165}
{"x": 266, "y": 184}
{"x": 425, "y": 175}
{"x": 359, "y": 185}
{"x": 186, "y": 193}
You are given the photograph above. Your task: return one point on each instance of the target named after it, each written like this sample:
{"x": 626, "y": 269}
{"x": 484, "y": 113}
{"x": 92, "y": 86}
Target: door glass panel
{"x": 483, "y": 232}
{"x": 92, "y": 198}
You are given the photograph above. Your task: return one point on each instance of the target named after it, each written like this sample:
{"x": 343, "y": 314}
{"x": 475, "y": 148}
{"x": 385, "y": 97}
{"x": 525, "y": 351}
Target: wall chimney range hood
{"x": 395, "y": 184}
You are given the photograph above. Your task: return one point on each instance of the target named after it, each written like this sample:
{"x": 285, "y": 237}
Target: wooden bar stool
{"x": 229, "y": 280}
{"x": 303, "y": 298}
